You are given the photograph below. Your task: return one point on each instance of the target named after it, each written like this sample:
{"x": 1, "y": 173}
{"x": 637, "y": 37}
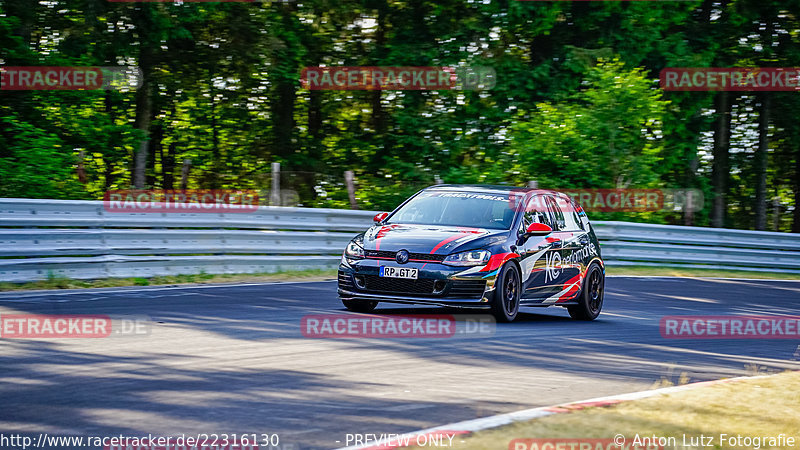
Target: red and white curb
{"x": 393, "y": 441}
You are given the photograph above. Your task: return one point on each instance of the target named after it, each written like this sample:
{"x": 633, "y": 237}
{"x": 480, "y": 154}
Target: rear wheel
{"x": 505, "y": 303}
{"x": 362, "y": 306}
{"x": 590, "y": 301}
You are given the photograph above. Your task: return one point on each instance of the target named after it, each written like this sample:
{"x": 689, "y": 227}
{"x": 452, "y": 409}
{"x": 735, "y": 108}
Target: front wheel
{"x": 362, "y": 306}
{"x": 590, "y": 301}
{"x": 505, "y": 302}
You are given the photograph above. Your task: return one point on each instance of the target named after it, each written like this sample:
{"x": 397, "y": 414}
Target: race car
{"x": 486, "y": 247}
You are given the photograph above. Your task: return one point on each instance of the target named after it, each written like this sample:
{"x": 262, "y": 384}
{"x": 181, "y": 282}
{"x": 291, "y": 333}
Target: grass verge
{"x": 55, "y": 282}
{"x": 749, "y": 408}
{"x": 692, "y": 272}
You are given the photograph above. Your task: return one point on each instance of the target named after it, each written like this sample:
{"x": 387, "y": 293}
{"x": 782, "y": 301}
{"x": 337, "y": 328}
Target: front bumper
{"x": 437, "y": 284}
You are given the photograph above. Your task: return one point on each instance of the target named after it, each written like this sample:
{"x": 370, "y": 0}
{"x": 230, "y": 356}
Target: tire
{"x": 505, "y": 301}
{"x": 590, "y": 301}
{"x": 362, "y": 306}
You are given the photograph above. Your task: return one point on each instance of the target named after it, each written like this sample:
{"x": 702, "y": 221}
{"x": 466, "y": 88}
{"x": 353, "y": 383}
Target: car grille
{"x": 470, "y": 288}
{"x": 399, "y": 285}
{"x": 411, "y": 256}
{"x": 374, "y": 283}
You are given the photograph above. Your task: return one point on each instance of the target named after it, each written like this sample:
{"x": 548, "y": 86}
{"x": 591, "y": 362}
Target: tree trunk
{"x": 760, "y": 162}
{"x": 285, "y": 89}
{"x": 720, "y": 169}
{"x": 379, "y": 119}
{"x": 688, "y": 210}
{"x": 796, "y": 214}
{"x": 349, "y": 180}
{"x": 187, "y": 165}
{"x": 168, "y": 167}
{"x": 108, "y": 161}
{"x": 157, "y": 147}
{"x": 168, "y": 152}
{"x": 142, "y": 122}
{"x": 81, "y": 170}
{"x": 315, "y": 122}
{"x": 216, "y": 165}
{"x": 143, "y": 97}
{"x": 26, "y": 12}
{"x": 283, "y": 109}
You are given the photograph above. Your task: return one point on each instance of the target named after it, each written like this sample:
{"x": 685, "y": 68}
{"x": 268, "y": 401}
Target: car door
{"x": 538, "y": 252}
{"x": 570, "y": 235}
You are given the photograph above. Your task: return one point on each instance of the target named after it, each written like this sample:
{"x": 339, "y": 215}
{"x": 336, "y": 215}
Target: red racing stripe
{"x": 497, "y": 261}
{"x": 572, "y": 290}
{"x": 462, "y": 231}
{"x": 446, "y": 240}
{"x": 381, "y": 233}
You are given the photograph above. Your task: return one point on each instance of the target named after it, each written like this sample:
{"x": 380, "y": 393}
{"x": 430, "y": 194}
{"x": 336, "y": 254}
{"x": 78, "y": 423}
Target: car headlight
{"x": 354, "y": 251}
{"x": 470, "y": 258}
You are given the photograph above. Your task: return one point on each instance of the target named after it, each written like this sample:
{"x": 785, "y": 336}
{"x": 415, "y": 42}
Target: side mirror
{"x": 538, "y": 229}
{"x": 380, "y": 217}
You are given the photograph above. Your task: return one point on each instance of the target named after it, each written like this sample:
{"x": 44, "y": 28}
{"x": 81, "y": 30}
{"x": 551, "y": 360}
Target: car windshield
{"x": 452, "y": 208}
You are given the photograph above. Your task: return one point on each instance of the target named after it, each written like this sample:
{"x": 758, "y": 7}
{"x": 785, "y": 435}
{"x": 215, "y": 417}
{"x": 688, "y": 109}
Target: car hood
{"x": 433, "y": 239}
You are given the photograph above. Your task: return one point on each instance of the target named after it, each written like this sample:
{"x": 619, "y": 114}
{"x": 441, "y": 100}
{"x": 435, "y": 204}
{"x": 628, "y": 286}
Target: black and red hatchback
{"x": 490, "y": 247}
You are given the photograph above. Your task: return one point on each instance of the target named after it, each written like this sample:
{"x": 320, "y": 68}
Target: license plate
{"x": 398, "y": 272}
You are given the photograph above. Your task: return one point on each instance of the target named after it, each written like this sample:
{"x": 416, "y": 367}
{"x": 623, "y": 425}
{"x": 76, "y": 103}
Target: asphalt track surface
{"x": 232, "y": 359}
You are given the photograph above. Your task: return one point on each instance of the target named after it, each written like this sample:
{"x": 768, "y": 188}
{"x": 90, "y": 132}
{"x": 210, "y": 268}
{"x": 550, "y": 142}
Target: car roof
{"x": 499, "y": 188}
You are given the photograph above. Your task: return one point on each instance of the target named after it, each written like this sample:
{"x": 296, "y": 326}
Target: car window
{"x": 571, "y": 220}
{"x": 466, "y": 209}
{"x": 536, "y": 212}
{"x": 558, "y": 215}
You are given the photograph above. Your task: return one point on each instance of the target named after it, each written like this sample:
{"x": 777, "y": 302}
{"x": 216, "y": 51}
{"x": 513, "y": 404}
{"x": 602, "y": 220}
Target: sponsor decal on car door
{"x": 541, "y": 258}
{"x": 576, "y": 250}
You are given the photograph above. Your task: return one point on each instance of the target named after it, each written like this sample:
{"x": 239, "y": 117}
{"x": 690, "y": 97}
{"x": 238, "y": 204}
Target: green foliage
{"x": 608, "y": 134}
{"x": 575, "y": 104}
{"x": 35, "y": 162}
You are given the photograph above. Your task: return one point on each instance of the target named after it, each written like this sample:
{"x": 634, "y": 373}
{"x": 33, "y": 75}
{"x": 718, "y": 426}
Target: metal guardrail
{"x": 79, "y": 239}
{"x": 625, "y": 243}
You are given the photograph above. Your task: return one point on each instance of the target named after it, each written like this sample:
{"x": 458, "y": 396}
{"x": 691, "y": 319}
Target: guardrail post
{"x": 187, "y": 164}
{"x": 275, "y": 195}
